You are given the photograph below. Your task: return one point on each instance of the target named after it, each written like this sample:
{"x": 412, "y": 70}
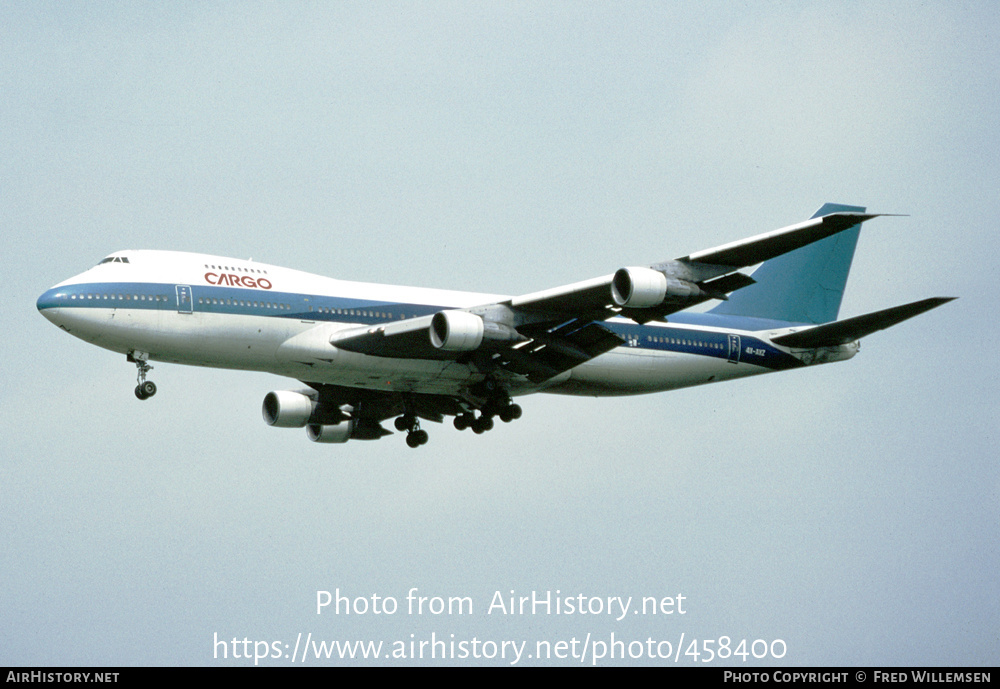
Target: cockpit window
{"x": 115, "y": 259}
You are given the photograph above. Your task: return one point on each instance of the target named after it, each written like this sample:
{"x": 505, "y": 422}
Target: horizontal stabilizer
{"x": 851, "y": 329}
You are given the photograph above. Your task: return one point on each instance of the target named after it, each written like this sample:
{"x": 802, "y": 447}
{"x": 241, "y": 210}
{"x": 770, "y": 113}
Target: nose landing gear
{"x": 146, "y": 388}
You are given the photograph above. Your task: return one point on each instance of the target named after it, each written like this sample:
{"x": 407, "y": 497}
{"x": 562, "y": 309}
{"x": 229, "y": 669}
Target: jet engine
{"x": 331, "y": 433}
{"x": 456, "y": 331}
{"x": 640, "y": 288}
{"x": 287, "y": 409}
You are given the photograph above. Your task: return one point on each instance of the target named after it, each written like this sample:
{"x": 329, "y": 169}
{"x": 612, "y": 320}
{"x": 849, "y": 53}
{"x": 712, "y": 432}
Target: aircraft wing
{"x": 405, "y": 339}
{"x": 542, "y": 334}
{"x": 652, "y": 293}
{"x": 537, "y": 350}
{"x": 763, "y": 247}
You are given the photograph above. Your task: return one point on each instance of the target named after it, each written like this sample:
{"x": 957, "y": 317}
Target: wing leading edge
{"x": 654, "y": 292}
{"x": 542, "y": 334}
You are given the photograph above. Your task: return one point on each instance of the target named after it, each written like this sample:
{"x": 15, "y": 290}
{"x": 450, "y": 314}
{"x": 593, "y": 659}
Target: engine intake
{"x": 330, "y": 433}
{"x": 640, "y": 288}
{"x": 456, "y": 331}
{"x": 287, "y": 409}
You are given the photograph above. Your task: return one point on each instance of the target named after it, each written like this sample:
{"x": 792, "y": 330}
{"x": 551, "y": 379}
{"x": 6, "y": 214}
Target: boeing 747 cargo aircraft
{"x": 367, "y": 353}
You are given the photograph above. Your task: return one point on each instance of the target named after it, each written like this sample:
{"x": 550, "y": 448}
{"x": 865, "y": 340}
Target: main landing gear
{"x": 498, "y": 404}
{"x": 414, "y": 436}
{"x": 484, "y": 422}
{"x": 146, "y": 388}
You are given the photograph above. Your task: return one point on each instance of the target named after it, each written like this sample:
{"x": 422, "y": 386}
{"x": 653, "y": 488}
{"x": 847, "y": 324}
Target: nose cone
{"x": 48, "y": 304}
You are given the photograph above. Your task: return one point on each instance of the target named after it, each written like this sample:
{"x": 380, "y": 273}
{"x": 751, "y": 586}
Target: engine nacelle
{"x": 287, "y": 409}
{"x": 638, "y": 288}
{"x": 331, "y": 433}
{"x": 456, "y": 331}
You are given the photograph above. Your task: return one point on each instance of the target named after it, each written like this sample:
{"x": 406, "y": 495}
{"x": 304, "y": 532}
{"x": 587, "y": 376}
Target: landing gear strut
{"x": 146, "y": 388}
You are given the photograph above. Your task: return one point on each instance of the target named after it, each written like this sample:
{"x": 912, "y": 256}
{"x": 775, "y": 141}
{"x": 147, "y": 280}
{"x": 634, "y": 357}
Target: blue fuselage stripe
{"x": 694, "y": 339}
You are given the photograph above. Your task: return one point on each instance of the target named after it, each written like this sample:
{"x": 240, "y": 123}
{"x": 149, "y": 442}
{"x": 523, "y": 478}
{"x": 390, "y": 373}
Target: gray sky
{"x": 850, "y": 510}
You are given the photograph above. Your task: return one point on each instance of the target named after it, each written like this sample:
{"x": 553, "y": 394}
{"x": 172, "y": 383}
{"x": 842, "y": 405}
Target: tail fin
{"x": 803, "y": 286}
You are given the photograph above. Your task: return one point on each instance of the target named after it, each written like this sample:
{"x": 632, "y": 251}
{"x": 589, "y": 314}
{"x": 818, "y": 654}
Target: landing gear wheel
{"x": 416, "y": 438}
{"x": 146, "y": 388}
{"x": 408, "y": 422}
{"x": 510, "y": 413}
{"x": 482, "y": 424}
{"x": 463, "y": 421}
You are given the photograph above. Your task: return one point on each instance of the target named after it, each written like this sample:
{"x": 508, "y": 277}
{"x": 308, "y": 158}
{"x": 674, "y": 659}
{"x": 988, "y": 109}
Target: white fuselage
{"x": 229, "y": 313}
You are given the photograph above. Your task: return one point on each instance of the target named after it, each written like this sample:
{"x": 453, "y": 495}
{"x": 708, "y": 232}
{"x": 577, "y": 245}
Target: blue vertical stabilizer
{"x": 802, "y": 286}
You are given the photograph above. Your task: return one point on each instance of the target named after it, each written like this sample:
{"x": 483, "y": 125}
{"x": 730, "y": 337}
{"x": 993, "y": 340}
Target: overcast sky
{"x": 850, "y": 510}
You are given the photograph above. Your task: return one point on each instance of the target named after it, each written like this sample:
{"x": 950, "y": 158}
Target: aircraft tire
{"x": 510, "y": 413}
{"x": 416, "y": 438}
